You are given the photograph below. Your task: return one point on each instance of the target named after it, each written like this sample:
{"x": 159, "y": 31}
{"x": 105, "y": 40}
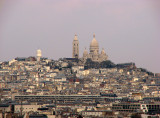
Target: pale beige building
{"x": 75, "y": 45}
{"x": 94, "y": 54}
{"x": 39, "y": 54}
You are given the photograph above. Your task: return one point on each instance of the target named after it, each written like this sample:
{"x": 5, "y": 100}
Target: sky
{"x": 128, "y": 30}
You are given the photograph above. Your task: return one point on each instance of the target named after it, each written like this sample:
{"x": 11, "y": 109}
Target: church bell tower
{"x": 75, "y": 45}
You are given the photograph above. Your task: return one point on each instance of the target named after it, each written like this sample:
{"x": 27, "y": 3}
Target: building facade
{"x": 39, "y": 54}
{"x": 94, "y": 54}
{"x": 75, "y": 45}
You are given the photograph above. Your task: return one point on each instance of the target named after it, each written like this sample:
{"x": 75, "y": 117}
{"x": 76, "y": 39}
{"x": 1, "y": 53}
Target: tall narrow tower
{"x": 75, "y": 53}
{"x": 39, "y": 54}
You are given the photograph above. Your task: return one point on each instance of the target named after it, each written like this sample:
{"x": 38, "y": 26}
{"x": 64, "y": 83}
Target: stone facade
{"x": 94, "y": 54}
{"x": 75, "y": 45}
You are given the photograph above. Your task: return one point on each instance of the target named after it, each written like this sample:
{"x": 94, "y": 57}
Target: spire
{"x": 93, "y": 35}
{"x": 75, "y": 37}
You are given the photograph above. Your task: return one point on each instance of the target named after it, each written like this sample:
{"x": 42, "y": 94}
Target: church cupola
{"x": 94, "y": 45}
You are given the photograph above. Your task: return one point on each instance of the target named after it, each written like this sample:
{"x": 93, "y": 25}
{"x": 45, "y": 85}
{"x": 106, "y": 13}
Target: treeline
{"x": 105, "y": 64}
{"x": 109, "y": 64}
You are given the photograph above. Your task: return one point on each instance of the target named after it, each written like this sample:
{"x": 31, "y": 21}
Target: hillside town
{"x": 88, "y": 87}
{"x": 68, "y": 88}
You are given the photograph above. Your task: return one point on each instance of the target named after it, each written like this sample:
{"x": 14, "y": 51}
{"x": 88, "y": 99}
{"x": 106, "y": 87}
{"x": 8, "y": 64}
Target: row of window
{"x": 23, "y": 108}
{"x": 118, "y": 108}
{"x": 126, "y": 105}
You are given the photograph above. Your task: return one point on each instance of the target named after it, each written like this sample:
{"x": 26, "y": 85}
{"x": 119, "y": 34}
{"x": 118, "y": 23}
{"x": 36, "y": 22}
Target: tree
{"x": 107, "y": 64}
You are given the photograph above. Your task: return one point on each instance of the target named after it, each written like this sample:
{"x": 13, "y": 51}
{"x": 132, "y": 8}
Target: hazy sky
{"x": 128, "y": 30}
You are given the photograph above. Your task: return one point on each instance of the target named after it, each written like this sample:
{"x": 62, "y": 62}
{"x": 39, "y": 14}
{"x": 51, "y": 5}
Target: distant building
{"x": 94, "y": 54}
{"x": 75, "y": 44}
{"x": 39, "y": 54}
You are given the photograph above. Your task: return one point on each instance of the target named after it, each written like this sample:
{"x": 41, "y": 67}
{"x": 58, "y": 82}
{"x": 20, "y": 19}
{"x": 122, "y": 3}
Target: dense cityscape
{"x": 91, "y": 86}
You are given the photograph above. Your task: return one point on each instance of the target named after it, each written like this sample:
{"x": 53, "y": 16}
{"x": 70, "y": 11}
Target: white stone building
{"x": 94, "y": 54}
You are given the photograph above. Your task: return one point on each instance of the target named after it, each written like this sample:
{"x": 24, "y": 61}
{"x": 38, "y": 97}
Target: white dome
{"x": 39, "y": 53}
{"x": 94, "y": 45}
{"x": 94, "y": 42}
